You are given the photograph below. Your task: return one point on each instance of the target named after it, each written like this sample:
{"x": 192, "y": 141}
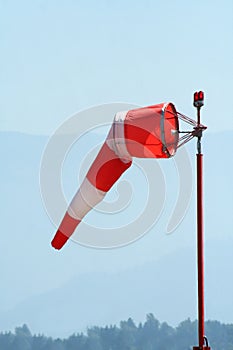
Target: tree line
{"x": 150, "y": 335}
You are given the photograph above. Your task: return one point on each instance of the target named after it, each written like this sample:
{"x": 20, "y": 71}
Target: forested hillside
{"x": 150, "y": 335}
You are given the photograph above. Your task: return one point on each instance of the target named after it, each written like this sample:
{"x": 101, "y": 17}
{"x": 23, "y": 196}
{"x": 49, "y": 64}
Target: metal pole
{"x": 203, "y": 342}
{"x": 200, "y": 250}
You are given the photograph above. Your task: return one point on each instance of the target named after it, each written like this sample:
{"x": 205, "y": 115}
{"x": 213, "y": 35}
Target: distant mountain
{"x": 58, "y": 293}
{"x": 166, "y": 287}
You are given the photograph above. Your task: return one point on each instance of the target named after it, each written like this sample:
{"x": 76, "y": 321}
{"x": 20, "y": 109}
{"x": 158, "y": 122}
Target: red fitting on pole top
{"x": 198, "y": 99}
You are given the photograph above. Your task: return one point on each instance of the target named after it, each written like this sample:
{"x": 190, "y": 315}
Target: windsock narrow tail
{"x": 66, "y": 229}
{"x": 103, "y": 173}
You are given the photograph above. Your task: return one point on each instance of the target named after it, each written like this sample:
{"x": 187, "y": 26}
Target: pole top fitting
{"x": 198, "y": 99}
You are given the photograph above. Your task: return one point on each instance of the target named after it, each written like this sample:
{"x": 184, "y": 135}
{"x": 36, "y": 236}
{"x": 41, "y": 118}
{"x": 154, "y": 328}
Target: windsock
{"x": 148, "y": 132}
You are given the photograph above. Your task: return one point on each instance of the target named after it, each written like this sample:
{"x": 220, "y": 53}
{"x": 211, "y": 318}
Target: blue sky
{"x": 58, "y": 57}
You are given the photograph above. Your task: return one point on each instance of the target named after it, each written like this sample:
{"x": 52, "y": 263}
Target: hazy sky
{"x": 62, "y": 56}
{"x": 58, "y": 57}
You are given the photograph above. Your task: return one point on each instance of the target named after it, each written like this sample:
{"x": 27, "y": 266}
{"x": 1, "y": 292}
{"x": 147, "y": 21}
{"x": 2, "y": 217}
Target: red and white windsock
{"x": 148, "y": 132}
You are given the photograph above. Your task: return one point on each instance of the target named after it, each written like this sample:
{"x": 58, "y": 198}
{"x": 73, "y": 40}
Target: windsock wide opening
{"x": 152, "y": 132}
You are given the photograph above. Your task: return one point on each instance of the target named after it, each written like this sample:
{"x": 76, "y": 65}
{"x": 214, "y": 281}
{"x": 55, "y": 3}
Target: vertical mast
{"x": 203, "y": 342}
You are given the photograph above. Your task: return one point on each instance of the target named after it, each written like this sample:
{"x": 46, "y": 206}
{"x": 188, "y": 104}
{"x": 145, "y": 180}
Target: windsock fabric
{"x": 152, "y": 132}
{"x": 149, "y": 132}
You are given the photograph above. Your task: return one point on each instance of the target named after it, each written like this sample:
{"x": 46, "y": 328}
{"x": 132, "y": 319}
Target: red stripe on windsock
{"x": 106, "y": 169}
{"x": 65, "y": 230}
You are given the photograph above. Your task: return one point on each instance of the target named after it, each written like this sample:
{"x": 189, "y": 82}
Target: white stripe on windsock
{"x": 116, "y": 140}
{"x": 84, "y": 200}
